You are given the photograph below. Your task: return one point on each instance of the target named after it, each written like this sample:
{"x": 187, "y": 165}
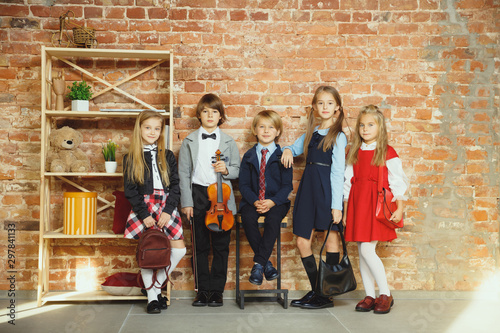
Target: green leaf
{"x": 79, "y": 91}
{"x": 109, "y": 150}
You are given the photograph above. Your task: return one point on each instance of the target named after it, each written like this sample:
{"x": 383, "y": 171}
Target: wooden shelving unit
{"x": 47, "y": 232}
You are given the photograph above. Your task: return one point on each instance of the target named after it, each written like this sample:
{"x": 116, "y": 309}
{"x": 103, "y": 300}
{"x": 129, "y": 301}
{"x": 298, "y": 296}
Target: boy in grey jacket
{"x": 196, "y": 173}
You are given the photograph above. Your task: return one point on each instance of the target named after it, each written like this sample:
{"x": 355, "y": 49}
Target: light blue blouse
{"x": 338, "y": 164}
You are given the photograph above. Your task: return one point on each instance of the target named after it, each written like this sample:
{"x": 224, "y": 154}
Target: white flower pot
{"x": 77, "y": 105}
{"x": 110, "y": 166}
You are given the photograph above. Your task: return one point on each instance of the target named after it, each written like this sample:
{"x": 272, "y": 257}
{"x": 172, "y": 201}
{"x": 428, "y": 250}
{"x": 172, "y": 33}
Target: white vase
{"x": 110, "y": 166}
{"x": 77, "y": 105}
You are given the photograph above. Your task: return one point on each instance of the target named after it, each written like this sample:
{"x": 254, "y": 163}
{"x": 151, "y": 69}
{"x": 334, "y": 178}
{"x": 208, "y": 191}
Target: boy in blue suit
{"x": 264, "y": 185}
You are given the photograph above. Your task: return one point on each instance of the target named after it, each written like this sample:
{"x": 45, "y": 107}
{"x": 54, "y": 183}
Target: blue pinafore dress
{"x": 312, "y": 208}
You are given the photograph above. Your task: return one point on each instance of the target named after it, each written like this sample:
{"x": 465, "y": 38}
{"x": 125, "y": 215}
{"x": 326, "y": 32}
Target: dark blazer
{"x": 135, "y": 192}
{"x": 278, "y": 178}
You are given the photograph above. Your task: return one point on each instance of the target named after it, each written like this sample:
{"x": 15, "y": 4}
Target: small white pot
{"x": 77, "y": 105}
{"x": 110, "y": 166}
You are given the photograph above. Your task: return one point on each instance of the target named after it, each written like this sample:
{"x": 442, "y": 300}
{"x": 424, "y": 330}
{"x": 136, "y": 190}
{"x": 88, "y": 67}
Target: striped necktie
{"x": 262, "y": 178}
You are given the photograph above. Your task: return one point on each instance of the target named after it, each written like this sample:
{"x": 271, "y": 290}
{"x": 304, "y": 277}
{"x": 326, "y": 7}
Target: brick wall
{"x": 431, "y": 65}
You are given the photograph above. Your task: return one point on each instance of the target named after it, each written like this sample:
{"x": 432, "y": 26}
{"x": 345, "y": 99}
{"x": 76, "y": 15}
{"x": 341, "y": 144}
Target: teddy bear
{"x": 64, "y": 155}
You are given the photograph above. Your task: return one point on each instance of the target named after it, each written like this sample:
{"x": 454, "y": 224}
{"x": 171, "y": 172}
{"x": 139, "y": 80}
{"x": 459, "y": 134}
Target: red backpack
{"x": 153, "y": 252}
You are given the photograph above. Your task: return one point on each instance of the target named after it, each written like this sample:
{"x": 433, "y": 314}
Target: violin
{"x": 219, "y": 217}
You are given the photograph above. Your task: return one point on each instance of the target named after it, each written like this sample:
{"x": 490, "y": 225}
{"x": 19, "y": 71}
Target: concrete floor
{"x": 412, "y": 312}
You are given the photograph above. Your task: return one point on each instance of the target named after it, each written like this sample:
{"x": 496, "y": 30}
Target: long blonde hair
{"x": 331, "y": 137}
{"x": 382, "y": 141}
{"x": 136, "y": 162}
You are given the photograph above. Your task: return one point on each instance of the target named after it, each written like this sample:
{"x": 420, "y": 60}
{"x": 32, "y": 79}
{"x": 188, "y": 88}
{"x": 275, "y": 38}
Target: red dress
{"x": 361, "y": 225}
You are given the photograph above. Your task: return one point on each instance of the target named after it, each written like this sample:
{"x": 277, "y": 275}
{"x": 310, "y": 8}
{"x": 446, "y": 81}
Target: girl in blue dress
{"x": 319, "y": 197}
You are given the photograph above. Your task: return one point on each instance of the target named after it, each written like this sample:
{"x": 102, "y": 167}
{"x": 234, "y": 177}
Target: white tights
{"x": 372, "y": 267}
{"x": 147, "y": 274}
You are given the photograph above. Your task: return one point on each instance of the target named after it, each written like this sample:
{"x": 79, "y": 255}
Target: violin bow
{"x": 193, "y": 244}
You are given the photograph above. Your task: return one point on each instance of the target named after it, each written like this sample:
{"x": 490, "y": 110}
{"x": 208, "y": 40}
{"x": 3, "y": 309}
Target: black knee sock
{"x": 311, "y": 270}
{"x": 332, "y": 258}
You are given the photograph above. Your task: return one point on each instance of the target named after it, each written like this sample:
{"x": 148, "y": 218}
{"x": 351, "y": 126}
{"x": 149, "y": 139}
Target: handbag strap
{"x": 380, "y": 178}
{"x": 381, "y": 191}
{"x": 341, "y": 233}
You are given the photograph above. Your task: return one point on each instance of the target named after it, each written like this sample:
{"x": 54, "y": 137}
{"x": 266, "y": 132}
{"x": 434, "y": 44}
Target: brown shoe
{"x": 366, "y": 305}
{"x": 383, "y": 304}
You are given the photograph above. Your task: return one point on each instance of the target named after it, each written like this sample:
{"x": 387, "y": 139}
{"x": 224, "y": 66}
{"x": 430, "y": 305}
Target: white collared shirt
{"x": 398, "y": 182}
{"x": 203, "y": 173}
{"x": 157, "y": 184}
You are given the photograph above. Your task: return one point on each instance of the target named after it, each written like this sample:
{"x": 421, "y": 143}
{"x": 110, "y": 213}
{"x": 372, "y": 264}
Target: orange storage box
{"x": 80, "y": 213}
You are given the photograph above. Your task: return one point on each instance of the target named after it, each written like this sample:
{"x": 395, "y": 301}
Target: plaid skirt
{"x": 156, "y": 203}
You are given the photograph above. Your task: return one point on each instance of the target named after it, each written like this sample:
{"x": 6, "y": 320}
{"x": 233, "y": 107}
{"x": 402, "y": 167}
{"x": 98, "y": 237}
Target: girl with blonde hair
{"x": 151, "y": 186}
{"x": 370, "y": 152}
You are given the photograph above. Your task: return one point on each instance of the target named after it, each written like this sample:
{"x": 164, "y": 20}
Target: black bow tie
{"x": 206, "y": 136}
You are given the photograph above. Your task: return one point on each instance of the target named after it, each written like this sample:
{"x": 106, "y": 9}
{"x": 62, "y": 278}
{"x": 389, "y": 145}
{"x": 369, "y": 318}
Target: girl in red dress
{"x": 370, "y": 150}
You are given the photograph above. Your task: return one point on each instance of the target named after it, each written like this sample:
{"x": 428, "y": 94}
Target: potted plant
{"x": 109, "y": 153}
{"x": 79, "y": 93}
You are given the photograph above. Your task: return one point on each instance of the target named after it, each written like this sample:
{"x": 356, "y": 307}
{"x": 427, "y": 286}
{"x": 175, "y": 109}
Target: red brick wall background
{"x": 431, "y": 65}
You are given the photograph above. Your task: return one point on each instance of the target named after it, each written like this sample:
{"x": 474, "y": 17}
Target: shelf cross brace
{"x": 114, "y": 87}
{"x": 83, "y": 189}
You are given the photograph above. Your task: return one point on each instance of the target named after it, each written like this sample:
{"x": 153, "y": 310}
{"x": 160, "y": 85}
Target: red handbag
{"x": 385, "y": 205}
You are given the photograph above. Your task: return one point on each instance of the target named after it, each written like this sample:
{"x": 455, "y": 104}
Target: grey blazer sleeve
{"x": 230, "y": 149}
{"x": 233, "y": 167}
{"x": 185, "y": 171}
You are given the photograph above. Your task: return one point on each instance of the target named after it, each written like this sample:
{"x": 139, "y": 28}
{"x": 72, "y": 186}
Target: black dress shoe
{"x": 163, "y": 302}
{"x": 270, "y": 272}
{"x": 318, "y": 302}
{"x": 201, "y": 299}
{"x": 306, "y": 298}
{"x": 153, "y": 307}
{"x": 256, "y": 274}
{"x": 215, "y": 299}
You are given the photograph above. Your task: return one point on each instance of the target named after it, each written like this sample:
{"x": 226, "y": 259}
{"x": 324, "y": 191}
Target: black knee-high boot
{"x": 317, "y": 301}
{"x": 312, "y": 273}
{"x": 311, "y": 270}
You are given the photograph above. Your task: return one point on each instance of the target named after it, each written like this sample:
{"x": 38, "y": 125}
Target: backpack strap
{"x": 167, "y": 280}
{"x": 154, "y": 279}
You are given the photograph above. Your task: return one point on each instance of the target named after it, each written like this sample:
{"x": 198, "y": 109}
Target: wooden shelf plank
{"x": 107, "y": 234}
{"x": 97, "y": 295}
{"x": 97, "y": 114}
{"x": 109, "y": 53}
{"x": 82, "y": 174}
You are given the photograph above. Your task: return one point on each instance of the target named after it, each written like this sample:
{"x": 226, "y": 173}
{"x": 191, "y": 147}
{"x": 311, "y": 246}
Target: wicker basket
{"x": 81, "y": 35}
